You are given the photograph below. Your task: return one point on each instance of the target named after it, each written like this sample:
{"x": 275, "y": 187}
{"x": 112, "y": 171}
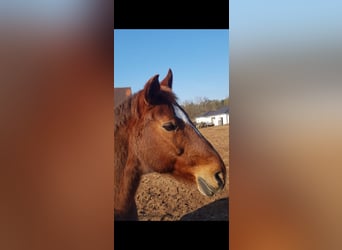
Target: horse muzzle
{"x": 208, "y": 185}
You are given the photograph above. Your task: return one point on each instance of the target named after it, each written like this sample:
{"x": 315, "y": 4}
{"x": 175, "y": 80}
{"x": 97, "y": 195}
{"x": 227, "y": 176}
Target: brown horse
{"x": 152, "y": 133}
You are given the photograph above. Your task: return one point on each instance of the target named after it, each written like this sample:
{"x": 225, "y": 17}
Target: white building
{"x": 218, "y": 117}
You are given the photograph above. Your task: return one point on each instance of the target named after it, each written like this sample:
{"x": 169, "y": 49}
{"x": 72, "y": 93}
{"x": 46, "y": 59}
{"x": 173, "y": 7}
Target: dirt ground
{"x": 162, "y": 198}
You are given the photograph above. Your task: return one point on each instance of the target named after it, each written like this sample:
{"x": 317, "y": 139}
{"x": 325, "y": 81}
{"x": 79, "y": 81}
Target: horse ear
{"x": 151, "y": 89}
{"x": 167, "y": 81}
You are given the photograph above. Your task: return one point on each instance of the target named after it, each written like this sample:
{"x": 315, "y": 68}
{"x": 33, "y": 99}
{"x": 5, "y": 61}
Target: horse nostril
{"x": 180, "y": 151}
{"x": 219, "y": 178}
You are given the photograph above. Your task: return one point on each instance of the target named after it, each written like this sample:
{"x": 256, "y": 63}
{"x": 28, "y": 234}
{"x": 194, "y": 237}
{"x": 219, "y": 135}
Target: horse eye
{"x": 169, "y": 126}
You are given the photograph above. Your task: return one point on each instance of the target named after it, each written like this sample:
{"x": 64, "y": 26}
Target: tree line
{"x": 202, "y": 104}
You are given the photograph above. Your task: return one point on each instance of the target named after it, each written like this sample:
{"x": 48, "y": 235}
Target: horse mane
{"x": 122, "y": 113}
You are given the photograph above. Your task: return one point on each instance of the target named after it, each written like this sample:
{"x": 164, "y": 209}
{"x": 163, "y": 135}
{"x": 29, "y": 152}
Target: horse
{"x": 153, "y": 133}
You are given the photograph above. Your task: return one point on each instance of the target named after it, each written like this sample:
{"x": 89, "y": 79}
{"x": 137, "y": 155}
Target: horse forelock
{"x": 165, "y": 96}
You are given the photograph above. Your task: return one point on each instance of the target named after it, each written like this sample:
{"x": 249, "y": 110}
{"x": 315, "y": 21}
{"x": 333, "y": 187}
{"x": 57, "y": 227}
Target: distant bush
{"x": 202, "y": 105}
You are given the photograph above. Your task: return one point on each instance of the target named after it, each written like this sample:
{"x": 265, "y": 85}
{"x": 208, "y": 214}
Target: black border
{"x": 171, "y": 235}
{"x": 176, "y": 14}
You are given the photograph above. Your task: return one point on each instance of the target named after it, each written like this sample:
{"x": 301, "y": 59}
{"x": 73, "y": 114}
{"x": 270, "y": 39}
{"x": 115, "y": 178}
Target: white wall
{"x": 224, "y": 117}
{"x": 215, "y": 119}
{"x": 203, "y": 119}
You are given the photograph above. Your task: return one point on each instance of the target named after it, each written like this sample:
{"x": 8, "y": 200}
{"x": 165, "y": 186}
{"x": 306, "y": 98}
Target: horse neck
{"x": 126, "y": 172}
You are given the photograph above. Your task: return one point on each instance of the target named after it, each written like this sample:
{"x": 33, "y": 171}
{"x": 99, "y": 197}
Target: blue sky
{"x": 199, "y": 60}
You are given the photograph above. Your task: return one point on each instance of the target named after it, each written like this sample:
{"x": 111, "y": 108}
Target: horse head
{"x": 166, "y": 141}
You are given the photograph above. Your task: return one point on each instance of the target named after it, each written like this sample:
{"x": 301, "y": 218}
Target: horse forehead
{"x": 163, "y": 110}
{"x": 183, "y": 116}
